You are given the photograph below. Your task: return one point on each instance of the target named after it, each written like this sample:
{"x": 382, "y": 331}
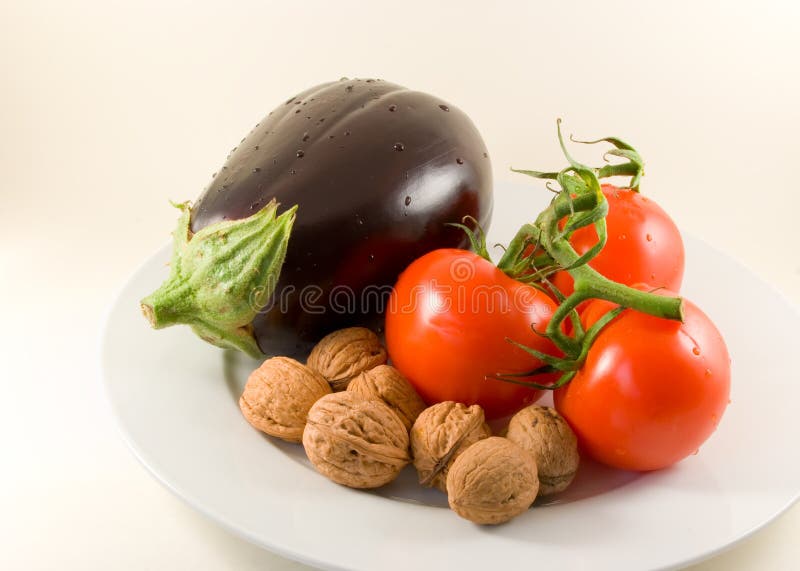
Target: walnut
{"x": 547, "y": 436}
{"x": 493, "y": 481}
{"x": 343, "y": 354}
{"x": 278, "y": 396}
{"x": 440, "y": 434}
{"x": 355, "y": 441}
{"x": 386, "y": 383}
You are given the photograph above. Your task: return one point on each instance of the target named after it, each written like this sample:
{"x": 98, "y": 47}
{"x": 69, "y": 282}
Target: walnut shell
{"x": 546, "y": 435}
{"x": 386, "y": 383}
{"x": 278, "y": 396}
{"x": 440, "y": 434}
{"x": 343, "y": 354}
{"x": 355, "y": 441}
{"x": 493, "y": 481}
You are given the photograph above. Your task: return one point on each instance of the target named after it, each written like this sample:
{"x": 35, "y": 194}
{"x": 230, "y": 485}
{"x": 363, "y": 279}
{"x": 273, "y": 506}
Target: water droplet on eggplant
{"x": 444, "y": 108}
{"x": 392, "y": 108}
{"x": 460, "y": 161}
{"x": 408, "y": 200}
{"x": 300, "y": 153}
{"x": 305, "y": 136}
{"x": 399, "y": 147}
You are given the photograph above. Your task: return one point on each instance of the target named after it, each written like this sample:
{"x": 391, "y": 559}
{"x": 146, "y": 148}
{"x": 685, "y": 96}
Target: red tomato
{"x": 651, "y": 390}
{"x": 644, "y": 245}
{"x": 446, "y": 328}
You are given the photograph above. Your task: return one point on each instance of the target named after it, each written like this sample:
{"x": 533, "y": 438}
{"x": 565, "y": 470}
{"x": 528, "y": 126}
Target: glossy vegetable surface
{"x": 376, "y": 171}
{"x": 644, "y": 244}
{"x": 651, "y": 390}
{"x": 447, "y": 326}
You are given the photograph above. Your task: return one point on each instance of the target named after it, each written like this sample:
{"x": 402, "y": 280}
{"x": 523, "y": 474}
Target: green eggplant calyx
{"x": 222, "y": 276}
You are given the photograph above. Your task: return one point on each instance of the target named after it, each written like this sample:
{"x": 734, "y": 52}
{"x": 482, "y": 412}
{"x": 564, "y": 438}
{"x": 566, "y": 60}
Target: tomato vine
{"x": 541, "y": 248}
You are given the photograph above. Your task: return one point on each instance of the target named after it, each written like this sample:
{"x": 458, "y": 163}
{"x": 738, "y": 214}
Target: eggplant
{"x": 316, "y": 212}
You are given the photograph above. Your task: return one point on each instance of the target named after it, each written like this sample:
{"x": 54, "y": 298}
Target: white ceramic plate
{"x": 176, "y": 401}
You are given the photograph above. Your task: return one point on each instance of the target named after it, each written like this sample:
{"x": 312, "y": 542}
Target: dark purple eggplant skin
{"x": 377, "y": 171}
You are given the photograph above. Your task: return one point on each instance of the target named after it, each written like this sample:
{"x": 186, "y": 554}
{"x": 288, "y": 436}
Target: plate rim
{"x": 287, "y": 552}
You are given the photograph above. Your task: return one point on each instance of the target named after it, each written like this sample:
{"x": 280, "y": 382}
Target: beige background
{"x": 108, "y": 109}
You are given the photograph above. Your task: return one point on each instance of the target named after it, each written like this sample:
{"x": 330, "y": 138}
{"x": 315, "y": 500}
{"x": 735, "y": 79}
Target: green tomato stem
{"x": 582, "y": 203}
{"x": 591, "y": 284}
